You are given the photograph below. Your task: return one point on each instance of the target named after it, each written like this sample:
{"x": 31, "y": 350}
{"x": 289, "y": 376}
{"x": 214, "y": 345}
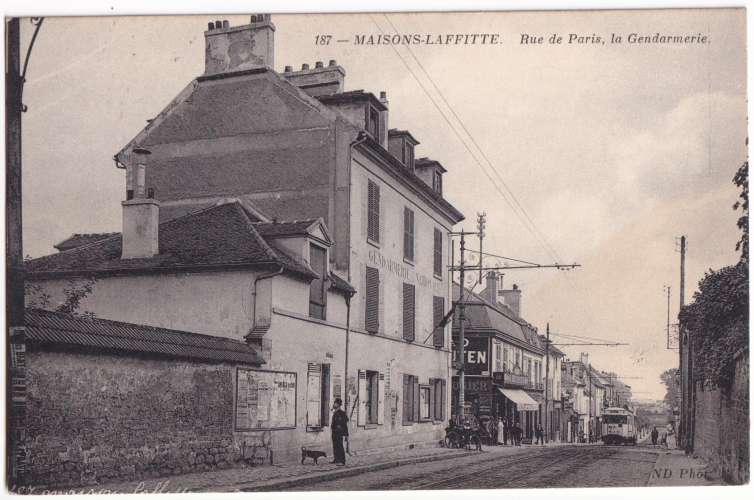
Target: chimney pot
{"x": 304, "y": 67}
{"x": 383, "y": 94}
{"x": 288, "y": 69}
{"x": 226, "y": 24}
{"x": 244, "y": 47}
{"x": 319, "y": 64}
{"x": 332, "y": 62}
{"x": 210, "y": 26}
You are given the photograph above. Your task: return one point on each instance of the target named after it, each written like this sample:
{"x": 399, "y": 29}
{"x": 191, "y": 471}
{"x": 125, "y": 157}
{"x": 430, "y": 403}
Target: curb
{"x": 282, "y": 484}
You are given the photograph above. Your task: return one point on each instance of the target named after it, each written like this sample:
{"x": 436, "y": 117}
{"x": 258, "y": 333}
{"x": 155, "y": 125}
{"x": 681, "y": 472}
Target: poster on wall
{"x": 265, "y": 400}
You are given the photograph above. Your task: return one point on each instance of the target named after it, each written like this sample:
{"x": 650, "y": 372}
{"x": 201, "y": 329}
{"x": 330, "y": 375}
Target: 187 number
{"x": 322, "y": 39}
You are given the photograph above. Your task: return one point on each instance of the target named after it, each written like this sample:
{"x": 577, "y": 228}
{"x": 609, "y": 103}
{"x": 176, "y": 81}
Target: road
{"x": 528, "y": 467}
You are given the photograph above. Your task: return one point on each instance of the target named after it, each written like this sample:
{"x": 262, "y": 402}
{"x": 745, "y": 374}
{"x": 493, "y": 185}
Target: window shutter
{"x": 406, "y": 399}
{"x": 325, "y": 400}
{"x": 381, "y": 399}
{"x": 443, "y": 400}
{"x": 362, "y": 415}
{"x": 415, "y": 399}
{"x": 408, "y": 312}
{"x": 438, "y": 312}
{"x": 373, "y": 218}
{"x": 438, "y": 253}
{"x": 371, "y": 320}
{"x": 313, "y": 393}
{"x": 408, "y": 234}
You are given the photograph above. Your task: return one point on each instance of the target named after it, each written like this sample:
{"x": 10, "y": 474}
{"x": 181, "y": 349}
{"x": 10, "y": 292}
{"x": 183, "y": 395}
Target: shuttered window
{"x": 372, "y": 306}
{"x": 409, "y": 313}
{"x": 373, "y": 212}
{"x": 408, "y": 234}
{"x": 317, "y": 396}
{"x": 317, "y": 291}
{"x": 438, "y": 253}
{"x": 438, "y": 312}
{"x": 410, "y": 399}
{"x": 438, "y": 399}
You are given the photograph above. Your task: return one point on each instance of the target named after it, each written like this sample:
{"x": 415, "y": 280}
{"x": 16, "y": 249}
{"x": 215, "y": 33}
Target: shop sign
{"x": 476, "y": 356}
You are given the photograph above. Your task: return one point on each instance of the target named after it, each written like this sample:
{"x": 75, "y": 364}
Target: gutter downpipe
{"x": 360, "y": 138}
{"x": 254, "y": 293}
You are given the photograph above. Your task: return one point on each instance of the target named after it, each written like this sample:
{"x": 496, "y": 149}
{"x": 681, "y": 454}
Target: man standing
{"x": 654, "y": 436}
{"x": 339, "y": 431}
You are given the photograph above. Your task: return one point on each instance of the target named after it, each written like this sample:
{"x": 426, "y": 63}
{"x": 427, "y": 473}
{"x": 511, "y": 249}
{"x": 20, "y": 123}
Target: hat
{"x": 338, "y": 401}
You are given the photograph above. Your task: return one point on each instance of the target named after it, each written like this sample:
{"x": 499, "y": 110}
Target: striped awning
{"x": 523, "y": 401}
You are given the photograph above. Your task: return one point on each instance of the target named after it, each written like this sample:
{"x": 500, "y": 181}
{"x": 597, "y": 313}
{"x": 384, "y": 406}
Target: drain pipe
{"x": 360, "y": 138}
{"x": 254, "y": 293}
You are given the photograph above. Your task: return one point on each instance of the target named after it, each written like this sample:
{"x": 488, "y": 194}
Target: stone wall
{"x": 721, "y": 425}
{"x": 97, "y": 417}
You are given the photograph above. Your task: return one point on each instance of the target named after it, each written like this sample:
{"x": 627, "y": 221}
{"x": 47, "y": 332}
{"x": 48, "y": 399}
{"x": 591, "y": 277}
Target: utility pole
{"x": 481, "y": 220}
{"x": 461, "y": 326}
{"x": 547, "y": 384}
{"x": 667, "y": 327}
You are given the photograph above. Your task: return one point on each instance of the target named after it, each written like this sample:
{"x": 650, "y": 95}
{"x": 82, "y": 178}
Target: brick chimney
{"x": 239, "y": 47}
{"x": 512, "y": 299}
{"x": 317, "y": 81}
{"x": 490, "y": 293}
{"x": 141, "y": 213}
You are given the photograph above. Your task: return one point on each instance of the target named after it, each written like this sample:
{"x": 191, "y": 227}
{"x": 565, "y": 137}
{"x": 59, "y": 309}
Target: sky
{"x": 612, "y": 150}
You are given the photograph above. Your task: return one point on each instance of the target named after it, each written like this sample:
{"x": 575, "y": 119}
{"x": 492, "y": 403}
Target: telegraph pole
{"x": 481, "y": 219}
{"x": 547, "y": 383}
{"x": 667, "y": 327}
{"x": 461, "y": 326}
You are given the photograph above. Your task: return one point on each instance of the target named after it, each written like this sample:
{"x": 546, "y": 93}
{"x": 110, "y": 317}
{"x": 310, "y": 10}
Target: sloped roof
{"x": 288, "y": 228}
{"x": 215, "y": 237}
{"x": 77, "y": 240}
{"x": 52, "y": 328}
{"x": 482, "y": 315}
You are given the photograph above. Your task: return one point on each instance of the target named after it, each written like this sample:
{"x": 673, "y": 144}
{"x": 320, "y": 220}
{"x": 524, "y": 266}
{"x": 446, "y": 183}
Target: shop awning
{"x": 523, "y": 401}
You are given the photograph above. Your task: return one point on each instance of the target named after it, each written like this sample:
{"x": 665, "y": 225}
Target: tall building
{"x": 350, "y": 280}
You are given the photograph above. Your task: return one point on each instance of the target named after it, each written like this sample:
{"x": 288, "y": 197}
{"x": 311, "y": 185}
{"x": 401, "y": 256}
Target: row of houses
{"x": 515, "y": 374}
{"x": 282, "y": 246}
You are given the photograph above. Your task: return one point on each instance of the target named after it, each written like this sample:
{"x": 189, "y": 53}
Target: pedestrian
{"x": 654, "y": 436}
{"x": 339, "y": 431}
{"x": 506, "y": 431}
{"x": 517, "y": 431}
{"x": 500, "y": 431}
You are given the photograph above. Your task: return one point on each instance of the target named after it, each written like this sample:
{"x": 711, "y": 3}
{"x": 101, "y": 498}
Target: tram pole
{"x": 547, "y": 383}
{"x": 461, "y": 332}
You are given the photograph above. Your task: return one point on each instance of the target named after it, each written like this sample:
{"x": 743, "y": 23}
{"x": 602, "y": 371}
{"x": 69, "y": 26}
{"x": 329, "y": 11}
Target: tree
{"x": 741, "y": 179}
{"x": 672, "y": 391}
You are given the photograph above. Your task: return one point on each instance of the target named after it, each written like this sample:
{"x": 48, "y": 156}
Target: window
{"x": 372, "y": 121}
{"x": 372, "y": 297}
{"x": 409, "y": 312}
{"x": 437, "y": 182}
{"x": 438, "y": 399}
{"x": 371, "y": 397}
{"x": 438, "y": 253}
{"x": 506, "y": 359}
{"x": 408, "y": 155}
{"x": 317, "y": 396}
{"x": 373, "y": 215}
{"x": 410, "y": 399}
{"x": 498, "y": 356}
{"x": 425, "y": 392}
{"x": 438, "y": 313}
{"x": 317, "y": 288}
{"x": 408, "y": 234}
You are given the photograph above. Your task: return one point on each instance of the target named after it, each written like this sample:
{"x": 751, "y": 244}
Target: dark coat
{"x": 339, "y": 423}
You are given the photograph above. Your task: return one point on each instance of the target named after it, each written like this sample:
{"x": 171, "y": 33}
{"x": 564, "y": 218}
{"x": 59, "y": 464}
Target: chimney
{"x": 384, "y": 119}
{"x": 584, "y": 359}
{"x": 319, "y": 80}
{"x": 141, "y": 213}
{"x": 239, "y": 47}
{"x": 512, "y": 299}
{"x": 490, "y": 293}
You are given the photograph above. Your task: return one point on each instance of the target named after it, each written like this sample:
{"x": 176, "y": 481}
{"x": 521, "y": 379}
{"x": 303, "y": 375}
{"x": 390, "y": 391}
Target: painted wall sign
{"x": 403, "y": 271}
{"x": 476, "y": 355}
{"x": 265, "y": 400}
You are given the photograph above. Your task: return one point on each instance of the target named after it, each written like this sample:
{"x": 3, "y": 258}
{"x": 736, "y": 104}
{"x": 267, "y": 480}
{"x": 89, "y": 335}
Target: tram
{"x": 618, "y": 426}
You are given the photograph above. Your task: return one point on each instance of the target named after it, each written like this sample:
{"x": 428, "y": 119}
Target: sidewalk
{"x": 675, "y": 468}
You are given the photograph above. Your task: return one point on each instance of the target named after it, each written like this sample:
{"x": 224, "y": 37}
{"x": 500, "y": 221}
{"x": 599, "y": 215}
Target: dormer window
{"x": 437, "y": 182}
{"x": 401, "y": 145}
{"x": 408, "y": 155}
{"x": 373, "y": 123}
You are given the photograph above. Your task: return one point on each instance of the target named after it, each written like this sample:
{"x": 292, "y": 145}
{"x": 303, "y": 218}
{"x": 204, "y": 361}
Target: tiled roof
{"x": 428, "y": 162}
{"x": 215, "y": 237}
{"x": 51, "y": 328}
{"x": 351, "y": 96}
{"x": 77, "y": 240}
{"x": 339, "y": 283}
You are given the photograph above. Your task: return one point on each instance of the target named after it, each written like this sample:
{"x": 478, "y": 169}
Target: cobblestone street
{"x": 555, "y": 467}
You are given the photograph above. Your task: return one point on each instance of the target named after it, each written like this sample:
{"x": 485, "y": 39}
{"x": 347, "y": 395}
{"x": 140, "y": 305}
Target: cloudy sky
{"x": 612, "y": 150}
